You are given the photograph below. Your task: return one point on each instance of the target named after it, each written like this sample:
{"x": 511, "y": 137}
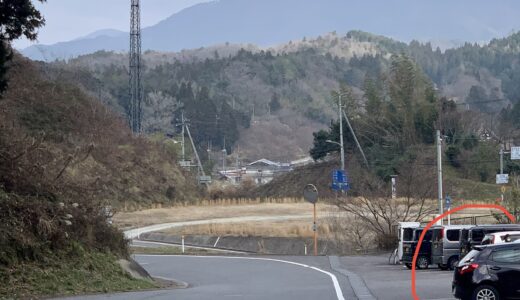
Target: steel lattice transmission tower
{"x": 136, "y": 88}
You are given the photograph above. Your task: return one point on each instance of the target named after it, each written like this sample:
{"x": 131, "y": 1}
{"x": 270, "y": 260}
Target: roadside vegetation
{"x": 68, "y": 272}
{"x": 67, "y": 163}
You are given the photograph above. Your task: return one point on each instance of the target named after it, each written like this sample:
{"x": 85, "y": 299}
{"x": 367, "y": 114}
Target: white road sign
{"x": 502, "y": 178}
{"x": 515, "y": 153}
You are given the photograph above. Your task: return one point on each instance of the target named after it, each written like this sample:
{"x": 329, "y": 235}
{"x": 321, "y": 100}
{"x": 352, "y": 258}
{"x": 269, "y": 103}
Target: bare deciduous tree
{"x": 380, "y": 213}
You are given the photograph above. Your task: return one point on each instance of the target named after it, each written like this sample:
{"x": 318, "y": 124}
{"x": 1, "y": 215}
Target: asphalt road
{"x": 393, "y": 282}
{"x": 215, "y": 277}
{"x": 242, "y": 278}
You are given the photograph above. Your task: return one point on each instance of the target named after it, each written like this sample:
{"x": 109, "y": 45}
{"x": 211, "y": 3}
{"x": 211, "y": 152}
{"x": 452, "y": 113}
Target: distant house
{"x": 302, "y": 162}
{"x": 261, "y": 172}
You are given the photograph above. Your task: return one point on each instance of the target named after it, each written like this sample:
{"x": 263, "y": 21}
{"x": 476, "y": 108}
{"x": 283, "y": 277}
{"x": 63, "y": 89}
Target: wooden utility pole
{"x": 315, "y": 229}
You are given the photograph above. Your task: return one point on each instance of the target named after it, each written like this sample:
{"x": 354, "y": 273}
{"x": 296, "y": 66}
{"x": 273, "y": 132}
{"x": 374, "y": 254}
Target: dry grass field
{"x": 206, "y": 210}
{"x": 289, "y": 228}
{"x": 219, "y": 209}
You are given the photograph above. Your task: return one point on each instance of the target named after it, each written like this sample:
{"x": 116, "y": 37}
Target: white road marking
{"x": 216, "y": 242}
{"x": 337, "y": 288}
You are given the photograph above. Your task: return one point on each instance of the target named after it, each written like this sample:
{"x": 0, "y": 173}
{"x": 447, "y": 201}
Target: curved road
{"x": 212, "y": 277}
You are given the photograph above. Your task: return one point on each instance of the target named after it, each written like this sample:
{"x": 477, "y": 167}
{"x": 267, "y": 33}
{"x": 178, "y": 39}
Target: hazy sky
{"x": 70, "y": 19}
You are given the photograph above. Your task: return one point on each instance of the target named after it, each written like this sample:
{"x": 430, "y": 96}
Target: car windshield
{"x": 408, "y": 234}
{"x": 488, "y": 239}
{"x": 470, "y": 257}
{"x": 427, "y": 236}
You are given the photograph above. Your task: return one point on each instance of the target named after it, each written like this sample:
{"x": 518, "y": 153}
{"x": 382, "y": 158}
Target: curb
{"x": 358, "y": 284}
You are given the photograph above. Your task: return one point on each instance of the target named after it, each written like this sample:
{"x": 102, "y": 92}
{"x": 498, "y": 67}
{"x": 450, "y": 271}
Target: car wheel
{"x": 423, "y": 262}
{"x": 443, "y": 267}
{"x": 452, "y": 263}
{"x": 485, "y": 292}
{"x": 409, "y": 266}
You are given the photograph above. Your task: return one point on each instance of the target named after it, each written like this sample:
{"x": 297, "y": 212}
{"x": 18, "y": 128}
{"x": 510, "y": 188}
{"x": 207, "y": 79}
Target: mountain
{"x": 271, "y": 22}
{"x": 104, "y": 32}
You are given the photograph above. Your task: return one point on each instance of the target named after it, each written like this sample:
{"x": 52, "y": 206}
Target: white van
{"x": 501, "y": 237}
{"x": 405, "y": 234}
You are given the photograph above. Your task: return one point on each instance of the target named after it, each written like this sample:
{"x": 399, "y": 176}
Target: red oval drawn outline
{"x": 416, "y": 254}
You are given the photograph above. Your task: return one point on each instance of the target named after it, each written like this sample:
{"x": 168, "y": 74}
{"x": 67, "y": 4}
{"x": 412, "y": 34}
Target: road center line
{"x": 337, "y": 288}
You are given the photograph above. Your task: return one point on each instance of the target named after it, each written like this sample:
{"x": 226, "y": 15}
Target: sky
{"x": 69, "y": 19}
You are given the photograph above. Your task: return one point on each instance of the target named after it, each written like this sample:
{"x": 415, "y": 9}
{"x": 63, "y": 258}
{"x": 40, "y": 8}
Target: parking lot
{"x": 391, "y": 282}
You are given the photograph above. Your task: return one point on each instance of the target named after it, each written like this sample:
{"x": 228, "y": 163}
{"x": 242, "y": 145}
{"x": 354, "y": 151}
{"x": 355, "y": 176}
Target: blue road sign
{"x": 340, "y": 181}
{"x": 448, "y": 202}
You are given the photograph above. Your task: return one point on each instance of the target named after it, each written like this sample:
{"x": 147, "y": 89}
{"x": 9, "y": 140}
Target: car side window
{"x": 453, "y": 235}
{"x": 510, "y": 256}
{"x": 477, "y": 235}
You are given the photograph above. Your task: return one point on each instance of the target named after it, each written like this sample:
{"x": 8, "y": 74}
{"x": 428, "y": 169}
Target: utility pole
{"x": 439, "y": 172}
{"x": 502, "y": 152}
{"x": 355, "y": 139}
{"x": 136, "y": 89}
{"x": 237, "y": 157}
{"x": 224, "y": 153}
{"x": 501, "y": 158}
{"x": 209, "y": 150}
{"x": 183, "y": 140}
{"x": 253, "y": 116}
{"x": 341, "y": 133}
{"x": 199, "y": 163}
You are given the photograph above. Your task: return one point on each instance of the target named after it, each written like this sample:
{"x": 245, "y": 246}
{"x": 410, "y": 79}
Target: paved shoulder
{"x": 393, "y": 282}
{"x": 358, "y": 284}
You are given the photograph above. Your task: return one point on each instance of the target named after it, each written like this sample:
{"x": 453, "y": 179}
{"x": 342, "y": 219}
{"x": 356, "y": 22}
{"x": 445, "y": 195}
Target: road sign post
{"x": 394, "y": 187}
{"x": 515, "y": 153}
{"x": 310, "y": 193}
{"x": 340, "y": 181}
{"x": 502, "y": 178}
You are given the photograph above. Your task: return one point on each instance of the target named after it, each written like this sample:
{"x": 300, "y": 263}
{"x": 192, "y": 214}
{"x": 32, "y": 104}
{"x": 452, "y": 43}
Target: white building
{"x": 261, "y": 172}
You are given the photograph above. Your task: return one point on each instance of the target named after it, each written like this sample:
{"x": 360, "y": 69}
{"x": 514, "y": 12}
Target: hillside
{"x": 97, "y": 149}
{"x": 64, "y": 159}
{"x": 270, "y": 22}
{"x": 285, "y": 91}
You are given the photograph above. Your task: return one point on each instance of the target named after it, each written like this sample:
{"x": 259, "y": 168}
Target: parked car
{"x": 501, "y": 237}
{"x": 445, "y": 246}
{"x": 425, "y": 252}
{"x": 490, "y": 272}
{"x": 474, "y": 235}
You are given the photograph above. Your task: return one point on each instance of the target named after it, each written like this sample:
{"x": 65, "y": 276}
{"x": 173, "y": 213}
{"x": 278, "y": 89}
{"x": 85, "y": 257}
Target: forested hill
{"x": 251, "y": 97}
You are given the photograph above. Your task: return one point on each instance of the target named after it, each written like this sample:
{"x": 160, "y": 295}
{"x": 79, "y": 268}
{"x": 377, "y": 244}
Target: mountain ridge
{"x": 268, "y": 22}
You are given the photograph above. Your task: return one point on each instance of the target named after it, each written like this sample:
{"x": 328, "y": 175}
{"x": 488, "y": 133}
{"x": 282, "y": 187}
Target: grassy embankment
{"x": 68, "y": 274}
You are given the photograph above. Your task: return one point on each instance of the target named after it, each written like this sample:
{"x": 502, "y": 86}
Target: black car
{"x": 489, "y": 272}
{"x": 425, "y": 252}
